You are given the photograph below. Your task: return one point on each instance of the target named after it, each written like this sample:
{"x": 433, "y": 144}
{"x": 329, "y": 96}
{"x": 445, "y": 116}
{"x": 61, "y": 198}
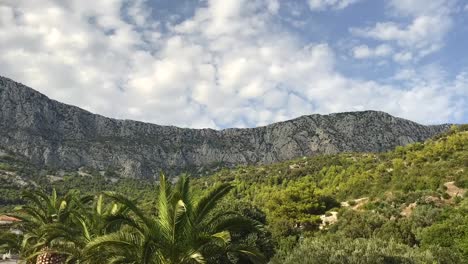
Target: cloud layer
{"x": 231, "y": 64}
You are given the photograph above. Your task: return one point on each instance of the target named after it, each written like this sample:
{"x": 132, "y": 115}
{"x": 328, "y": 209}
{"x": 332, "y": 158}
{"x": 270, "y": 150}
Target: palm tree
{"x": 42, "y": 218}
{"x": 86, "y": 222}
{"x": 182, "y": 231}
{"x": 91, "y": 222}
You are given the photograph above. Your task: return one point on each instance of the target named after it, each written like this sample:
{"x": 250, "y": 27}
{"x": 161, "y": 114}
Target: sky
{"x": 241, "y": 63}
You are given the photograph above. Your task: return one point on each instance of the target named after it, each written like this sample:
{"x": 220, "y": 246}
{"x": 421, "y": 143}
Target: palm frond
{"x": 165, "y": 213}
{"x": 194, "y": 256}
{"x": 113, "y": 222}
{"x": 224, "y": 237}
{"x": 130, "y": 205}
{"x": 124, "y": 245}
{"x": 237, "y": 223}
{"x": 208, "y": 202}
{"x": 252, "y": 254}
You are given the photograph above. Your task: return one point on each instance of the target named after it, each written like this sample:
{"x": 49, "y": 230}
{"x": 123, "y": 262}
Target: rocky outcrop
{"x": 51, "y": 133}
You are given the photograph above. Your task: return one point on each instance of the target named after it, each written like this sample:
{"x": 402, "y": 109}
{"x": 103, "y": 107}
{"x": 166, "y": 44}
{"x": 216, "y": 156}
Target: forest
{"x": 408, "y": 205}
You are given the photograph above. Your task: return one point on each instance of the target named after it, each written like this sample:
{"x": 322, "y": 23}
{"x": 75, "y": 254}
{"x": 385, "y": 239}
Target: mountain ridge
{"x": 58, "y": 135}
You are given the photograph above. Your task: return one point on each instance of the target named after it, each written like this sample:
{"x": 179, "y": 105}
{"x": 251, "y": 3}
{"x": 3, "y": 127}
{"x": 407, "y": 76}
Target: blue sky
{"x": 241, "y": 63}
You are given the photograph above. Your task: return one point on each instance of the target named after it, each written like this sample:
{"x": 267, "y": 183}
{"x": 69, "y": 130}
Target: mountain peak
{"x": 58, "y": 135}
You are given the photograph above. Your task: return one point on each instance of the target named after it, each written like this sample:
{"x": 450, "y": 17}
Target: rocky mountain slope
{"x": 51, "y": 133}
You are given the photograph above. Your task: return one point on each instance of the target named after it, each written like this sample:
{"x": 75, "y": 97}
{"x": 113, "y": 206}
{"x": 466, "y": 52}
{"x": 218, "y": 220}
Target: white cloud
{"x": 318, "y": 5}
{"x": 273, "y": 6}
{"x": 421, "y": 7}
{"x": 230, "y": 64}
{"x": 403, "y": 57}
{"x": 425, "y": 34}
{"x": 363, "y": 51}
{"x": 433, "y": 93}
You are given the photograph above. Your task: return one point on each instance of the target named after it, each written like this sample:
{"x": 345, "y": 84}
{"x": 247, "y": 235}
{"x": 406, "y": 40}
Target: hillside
{"x": 17, "y": 174}
{"x": 425, "y": 165}
{"x": 408, "y": 205}
{"x": 411, "y": 201}
{"x": 49, "y": 133}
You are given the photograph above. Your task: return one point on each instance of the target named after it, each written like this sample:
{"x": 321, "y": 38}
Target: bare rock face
{"x": 62, "y": 136}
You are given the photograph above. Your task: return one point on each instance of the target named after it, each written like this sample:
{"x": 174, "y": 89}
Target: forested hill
{"x": 53, "y": 134}
{"x": 423, "y": 165}
{"x": 408, "y": 205}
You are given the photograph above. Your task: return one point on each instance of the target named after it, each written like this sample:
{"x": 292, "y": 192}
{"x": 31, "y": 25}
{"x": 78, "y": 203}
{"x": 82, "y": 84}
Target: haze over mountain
{"x": 62, "y": 136}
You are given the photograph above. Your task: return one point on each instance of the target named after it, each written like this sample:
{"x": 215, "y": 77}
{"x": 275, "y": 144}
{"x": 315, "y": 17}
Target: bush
{"x": 354, "y": 224}
{"x": 336, "y": 249}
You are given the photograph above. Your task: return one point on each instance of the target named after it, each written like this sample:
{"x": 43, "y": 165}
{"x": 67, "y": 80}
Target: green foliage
{"x": 408, "y": 216}
{"x": 450, "y": 233}
{"x": 6, "y": 167}
{"x": 355, "y": 224}
{"x": 183, "y": 231}
{"x": 294, "y": 193}
{"x": 294, "y": 208}
{"x": 9, "y": 242}
{"x": 336, "y": 249}
{"x": 87, "y": 229}
{"x": 260, "y": 238}
{"x": 43, "y": 218}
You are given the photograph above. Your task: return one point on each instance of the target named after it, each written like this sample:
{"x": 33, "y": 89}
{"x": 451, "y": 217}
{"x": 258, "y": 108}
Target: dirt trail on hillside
{"x": 408, "y": 210}
{"x": 333, "y": 217}
{"x": 328, "y": 220}
{"x": 358, "y": 203}
{"x": 453, "y": 190}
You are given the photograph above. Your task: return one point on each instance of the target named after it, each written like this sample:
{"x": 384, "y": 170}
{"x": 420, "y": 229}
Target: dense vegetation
{"x": 402, "y": 206}
{"x": 85, "y": 229}
{"x": 406, "y": 203}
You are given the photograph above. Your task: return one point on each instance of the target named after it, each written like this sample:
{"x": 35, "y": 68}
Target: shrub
{"x": 336, "y": 249}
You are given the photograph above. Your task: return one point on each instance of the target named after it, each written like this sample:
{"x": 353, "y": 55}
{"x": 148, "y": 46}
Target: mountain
{"x": 62, "y": 136}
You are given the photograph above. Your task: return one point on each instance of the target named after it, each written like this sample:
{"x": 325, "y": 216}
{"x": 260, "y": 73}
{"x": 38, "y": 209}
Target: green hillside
{"x": 408, "y": 205}
{"x": 411, "y": 199}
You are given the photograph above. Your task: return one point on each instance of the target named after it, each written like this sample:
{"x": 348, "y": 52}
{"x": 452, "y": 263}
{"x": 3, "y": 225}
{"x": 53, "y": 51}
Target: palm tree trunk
{"x": 50, "y": 258}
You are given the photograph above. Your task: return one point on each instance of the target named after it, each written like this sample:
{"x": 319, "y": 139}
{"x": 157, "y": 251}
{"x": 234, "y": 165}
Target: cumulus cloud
{"x": 318, "y": 5}
{"x": 423, "y": 35}
{"x": 230, "y": 64}
{"x": 421, "y": 7}
{"x": 445, "y": 98}
{"x": 363, "y": 51}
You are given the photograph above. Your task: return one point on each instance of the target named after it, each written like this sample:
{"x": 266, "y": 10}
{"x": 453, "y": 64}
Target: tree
{"x": 42, "y": 217}
{"x": 88, "y": 221}
{"x": 182, "y": 230}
